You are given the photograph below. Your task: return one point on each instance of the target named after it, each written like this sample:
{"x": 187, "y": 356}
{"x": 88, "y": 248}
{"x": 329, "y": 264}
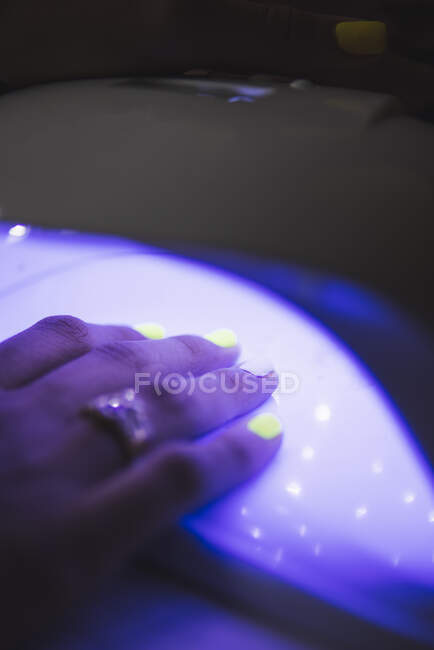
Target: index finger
{"x": 121, "y": 364}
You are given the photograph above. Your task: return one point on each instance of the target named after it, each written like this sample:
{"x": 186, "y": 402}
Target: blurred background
{"x": 339, "y": 181}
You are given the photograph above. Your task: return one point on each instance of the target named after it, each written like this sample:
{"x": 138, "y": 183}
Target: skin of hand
{"x": 71, "y": 509}
{"x": 52, "y": 40}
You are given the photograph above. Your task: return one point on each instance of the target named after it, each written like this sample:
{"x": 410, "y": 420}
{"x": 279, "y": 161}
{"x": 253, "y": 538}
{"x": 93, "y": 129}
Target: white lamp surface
{"x": 345, "y": 511}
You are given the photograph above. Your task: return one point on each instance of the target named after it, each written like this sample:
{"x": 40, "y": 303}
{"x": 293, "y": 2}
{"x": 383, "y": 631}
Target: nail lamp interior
{"x": 345, "y": 511}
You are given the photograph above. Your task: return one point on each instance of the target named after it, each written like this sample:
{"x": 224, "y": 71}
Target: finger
{"x": 204, "y": 403}
{"x": 120, "y": 364}
{"x": 171, "y": 482}
{"x": 216, "y": 399}
{"x": 51, "y": 343}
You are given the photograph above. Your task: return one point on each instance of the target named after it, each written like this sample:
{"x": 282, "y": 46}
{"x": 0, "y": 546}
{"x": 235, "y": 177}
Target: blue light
{"x": 346, "y": 509}
{"x": 240, "y": 98}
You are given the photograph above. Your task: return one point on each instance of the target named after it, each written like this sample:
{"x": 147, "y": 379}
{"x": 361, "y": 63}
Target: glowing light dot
{"x": 307, "y": 453}
{"x": 322, "y": 413}
{"x": 240, "y": 98}
{"x": 396, "y": 559}
{"x": 256, "y": 533}
{"x": 409, "y": 497}
{"x": 293, "y": 488}
{"x": 18, "y": 231}
{"x": 302, "y": 530}
{"x": 431, "y": 517}
{"x": 244, "y": 511}
{"x": 129, "y": 394}
{"x": 361, "y": 512}
{"x": 377, "y": 467}
{"x": 114, "y": 402}
{"x": 317, "y": 549}
{"x": 278, "y": 555}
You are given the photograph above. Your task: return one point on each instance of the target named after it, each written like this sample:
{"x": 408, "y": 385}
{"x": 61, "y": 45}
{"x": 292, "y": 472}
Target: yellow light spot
{"x": 225, "y": 338}
{"x": 151, "y": 330}
{"x": 265, "y": 425}
{"x": 362, "y": 37}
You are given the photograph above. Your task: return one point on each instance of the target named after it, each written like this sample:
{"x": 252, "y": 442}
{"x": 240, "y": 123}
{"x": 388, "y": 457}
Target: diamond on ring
{"x": 124, "y": 413}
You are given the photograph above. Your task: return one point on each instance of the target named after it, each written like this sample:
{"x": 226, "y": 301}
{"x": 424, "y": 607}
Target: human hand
{"x": 71, "y": 509}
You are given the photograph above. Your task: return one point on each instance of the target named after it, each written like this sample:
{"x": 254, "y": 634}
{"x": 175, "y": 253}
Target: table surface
{"x": 142, "y": 610}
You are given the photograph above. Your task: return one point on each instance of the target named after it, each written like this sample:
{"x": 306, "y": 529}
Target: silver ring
{"x": 124, "y": 413}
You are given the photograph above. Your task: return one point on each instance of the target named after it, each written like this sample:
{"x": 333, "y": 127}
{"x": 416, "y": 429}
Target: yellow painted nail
{"x": 362, "y": 36}
{"x": 223, "y": 337}
{"x": 265, "y": 425}
{"x": 151, "y": 330}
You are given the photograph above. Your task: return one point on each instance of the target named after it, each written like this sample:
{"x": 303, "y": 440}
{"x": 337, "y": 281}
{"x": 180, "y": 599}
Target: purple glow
{"x": 347, "y": 505}
{"x": 240, "y": 98}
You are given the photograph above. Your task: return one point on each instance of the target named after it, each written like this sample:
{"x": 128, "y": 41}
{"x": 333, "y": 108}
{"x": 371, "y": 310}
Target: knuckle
{"x": 127, "y": 333}
{"x": 68, "y": 327}
{"x": 182, "y": 474}
{"x": 119, "y": 353}
{"x": 191, "y": 344}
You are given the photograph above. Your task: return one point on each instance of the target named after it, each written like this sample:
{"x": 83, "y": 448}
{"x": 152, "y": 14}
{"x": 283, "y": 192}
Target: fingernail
{"x": 265, "y": 425}
{"x": 260, "y": 366}
{"x": 225, "y": 338}
{"x": 151, "y": 330}
{"x": 362, "y": 36}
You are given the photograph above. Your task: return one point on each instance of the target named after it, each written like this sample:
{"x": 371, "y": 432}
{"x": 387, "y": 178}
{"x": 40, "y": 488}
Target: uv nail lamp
{"x": 338, "y": 531}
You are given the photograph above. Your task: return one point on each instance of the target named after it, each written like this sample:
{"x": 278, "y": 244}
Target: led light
{"x": 377, "y": 467}
{"x": 322, "y": 413}
{"x": 256, "y": 533}
{"x": 302, "y": 530}
{"x": 317, "y": 549}
{"x": 307, "y": 453}
{"x": 409, "y": 497}
{"x": 240, "y": 98}
{"x": 361, "y": 512}
{"x": 18, "y": 231}
{"x": 293, "y": 488}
